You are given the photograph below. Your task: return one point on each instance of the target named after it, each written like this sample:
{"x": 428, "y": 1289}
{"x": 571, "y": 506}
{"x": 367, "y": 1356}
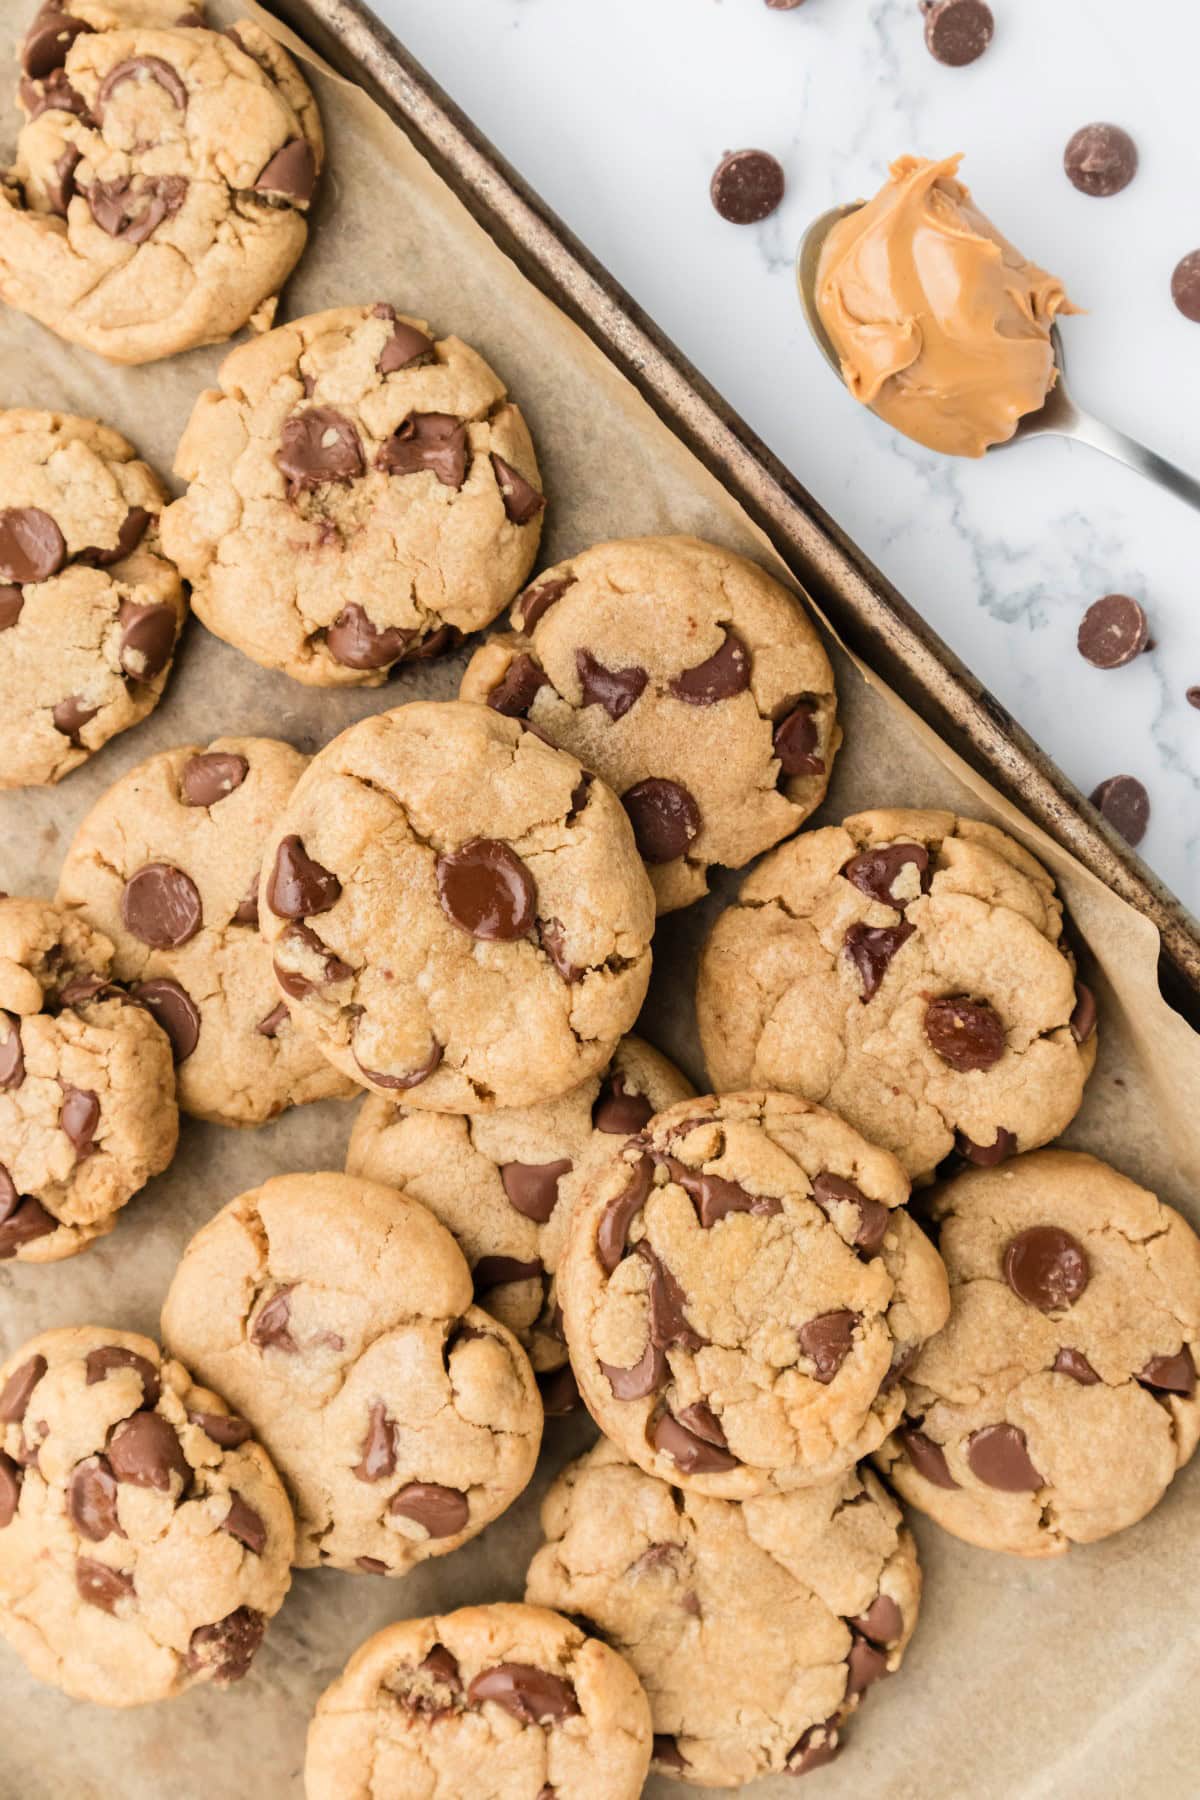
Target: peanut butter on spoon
{"x": 939, "y": 324}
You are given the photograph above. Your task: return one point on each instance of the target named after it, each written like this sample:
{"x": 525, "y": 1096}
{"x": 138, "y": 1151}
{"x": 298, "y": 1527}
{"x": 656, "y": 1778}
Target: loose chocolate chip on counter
{"x": 957, "y": 32}
{"x": 92, "y": 1499}
{"x": 532, "y": 1188}
{"x": 211, "y": 776}
{"x": 100, "y": 1363}
{"x": 78, "y": 1117}
{"x": 229, "y": 1646}
{"x": 518, "y": 687}
{"x": 616, "y": 690}
{"x": 832, "y": 1190}
{"x": 664, "y": 816}
{"x": 1124, "y": 802}
{"x": 443, "y": 1511}
{"x": 986, "y": 1156}
{"x": 747, "y": 186}
{"x": 619, "y": 1111}
{"x": 411, "y": 1078}
{"x": 356, "y": 642}
{"x": 1075, "y": 1364}
{"x": 10, "y": 1489}
{"x": 291, "y": 173}
{"x": 927, "y": 1457}
{"x": 147, "y": 639}
{"x": 613, "y": 1229}
{"x": 485, "y": 889}
{"x": 532, "y": 1695}
{"x": 872, "y": 948}
{"x": 1046, "y": 1267}
{"x": 666, "y": 1753}
{"x": 316, "y": 446}
{"x": 795, "y": 742}
{"x": 299, "y": 887}
{"x": 172, "y": 1007}
{"x": 725, "y": 673}
{"x": 998, "y": 1455}
{"x": 12, "y": 1056}
{"x": 161, "y": 906}
{"x": 967, "y": 1034}
{"x": 271, "y": 1327}
{"x": 11, "y": 602}
{"x": 98, "y": 1585}
{"x": 535, "y": 602}
{"x": 133, "y": 68}
{"x": 32, "y": 548}
{"x": 246, "y": 1525}
{"x": 71, "y": 715}
{"x": 145, "y": 1452}
{"x": 22, "y": 1220}
{"x": 47, "y": 42}
{"x": 559, "y": 1391}
{"x": 882, "y": 1623}
{"x": 1193, "y": 697}
{"x": 406, "y": 345}
{"x": 427, "y": 441}
{"x": 14, "y": 1396}
{"x": 225, "y": 1429}
{"x": 828, "y": 1340}
{"x": 133, "y": 211}
{"x": 522, "y": 501}
{"x": 820, "y": 1743}
{"x": 378, "y": 1457}
{"x": 1175, "y": 1374}
{"x": 1185, "y": 285}
{"x": 1100, "y": 160}
{"x": 1113, "y": 631}
{"x": 883, "y": 874}
{"x": 688, "y": 1450}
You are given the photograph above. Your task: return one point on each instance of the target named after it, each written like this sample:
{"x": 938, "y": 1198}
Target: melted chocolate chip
{"x": 871, "y": 948}
{"x": 795, "y": 742}
{"x": 532, "y": 1188}
{"x": 133, "y": 68}
{"x": 98, "y": 1585}
{"x": 101, "y": 1362}
{"x": 71, "y": 715}
{"x": 291, "y": 172}
{"x": 148, "y": 636}
{"x": 434, "y": 442}
{"x": 161, "y": 906}
{"x": 1083, "y": 1018}
{"x": 927, "y": 1457}
{"x": 522, "y": 502}
{"x": 54, "y": 93}
{"x": 616, "y": 690}
{"x": 1174, "y": 1374}
{"x": 225, "y": 1429}
{"x": 532, "y": 1695}
{"x": 865, "y": 1665}
{"x": 12, "y": 600}
{"x": 637, "y": 1380}
{"x": 819, "y": 1744}
{"x": 378, "y": 1456}
{"x": 27, "y": 1221}
{"x": 828, "y": 1340}
{"x": 967, "y": 1034}
{"x": 747, "y": 186}
{"x": 228, "y": 1647}
{"x": 664, "y": 816}
{"x": 78, "y": 1117}
{"x": 619, "y": 1111}
{"x": 246, "y": 1525}
{"x": 715, "y": 1197}
{"x": 10, "y": 1489}
{"x": 1046, "y": 1267}
{"x": 485, "y": 889}
{"x": 876, "y": 873}
{"x": 333, "y": 969}
{"x": 882, "y": 1623}
{"x": 269, "y": 1027}
{"x": 986, "y": 1156}
{"x": 499, "y": 1271}
{"x": 133, "y": 529}
{"x": 32, "y": 548}
{"x": 133, "y": 210}
{"x": 12, "y": 1055}
{"x": 316, "y": 446}
{"x": 687, "y": 1449}
{"x": 618, "y": 1215}
{"x": 172, "y": 1007}
{"x": 830, "y": 1191}
{"x": 300, "y": 887}
{"x": 722, "y": 675}
{"x": 92, "y": 1499}
{"x": 14, "y": 1396}
{"x": 998, "y": 1456}
{"x": 406, "y": 345}
{"x": 48, "y": 40}
{"x": 411, "y": 1078}
{"x": 211, "y": 776}
{"x": 518, "y": 687}
{"x": 553, "y": 940}
{"x": 271, "y": 1327}
{"x": 357, "y": 643}
{"x": 145, "y": 1452}
{"x": 60, "y": 190}
{"x": 535, "y": 602}
{"x": 1075, "y": 1364}
{"x": 443, "y": 1511}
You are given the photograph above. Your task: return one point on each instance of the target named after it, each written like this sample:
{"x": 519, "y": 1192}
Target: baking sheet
{"x": 1033, "y": 1680}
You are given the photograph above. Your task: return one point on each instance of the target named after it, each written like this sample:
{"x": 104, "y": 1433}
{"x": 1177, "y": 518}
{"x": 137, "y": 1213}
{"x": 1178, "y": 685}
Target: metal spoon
{"x": 1059, "y": 417}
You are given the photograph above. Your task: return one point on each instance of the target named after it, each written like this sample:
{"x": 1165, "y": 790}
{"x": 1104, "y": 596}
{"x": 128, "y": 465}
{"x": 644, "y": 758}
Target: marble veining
{"x": 618, "y": 110}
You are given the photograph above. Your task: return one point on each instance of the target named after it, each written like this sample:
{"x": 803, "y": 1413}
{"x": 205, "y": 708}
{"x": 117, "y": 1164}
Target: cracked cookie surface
{"x": 506, "y": 1182}
{"x": 502, "y": 1702}
{"x": 87, "y": 1092}
{"x": 741, "y": 1288}
{"x": 90, "y": 608}
{"x": 145, "y": 1539}
{"x": 161, "y": 183}
{"x": 690, "y": 681}
{"x": 456, "y": 910}
{"x": 909, "y": 970}
{"x": 166, "y": 864}
{"x": 336, "y": 1315}
{"x": 1060, "y": 1399}
{"x": 360, "y": 494}
{"x": 755, "y": 1627}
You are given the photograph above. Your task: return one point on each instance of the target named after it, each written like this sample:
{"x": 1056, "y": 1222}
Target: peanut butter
{"x": 940, "y": 325}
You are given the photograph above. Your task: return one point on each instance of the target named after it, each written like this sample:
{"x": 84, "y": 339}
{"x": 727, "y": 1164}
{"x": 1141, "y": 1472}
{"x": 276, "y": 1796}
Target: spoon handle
{"x": 1123, "y": 448}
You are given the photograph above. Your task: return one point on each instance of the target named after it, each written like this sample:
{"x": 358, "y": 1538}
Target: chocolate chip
{"x": 664, "y": 816}
{"x": 1113, "y": 631}
{"x": 333, "y": 969}
{"x": 725, "y": 673}
{"x": 60, "y": 190}
{"x": 10, "y": 1489}
{"x": 428, "y": 441}
{"x": 518, "y": 687}
{"x": 882, "y": 1623}
{"x": 747, "y": 186}
{"x": 148, "y": 636}
{"x": 100, "y": 1363}
{"x": 871, "y": 949}
{"x": 246, "y": 1525}
{"x": 12, "y": 1055}
{"x": 703, "y": 1422}
{"x": 211, "y": 776}
{"x": 535, "y": 602}
{"x": 553, "y": 941}
{"x": 98, "y": 1585}
{"x": 795, "y": 742}
{"x": 616, "y": 690}
{"x": 967, "y": 1034}
{"x": 1124, "y": 802}
{"x": 1075, "y": 1364}
{"x": 173, "y": 1008}
{"x": 378, "y": 1454}
{"x": 92, "y": 1499}
{"x": 865, "y": 1665}
{"x": 715, "y": 1197}
{"x": 269, "y": 1027}
{"x": 411, "y": 1078}
{"x": 532, "y": 1188}
{"x": 228, "y": 1647}
{"x": 668, "y": 1316}
{"x": 619, "y": 1111}
{"x": 559, "y": 1391}
{"x": 998, "y": 1456}
{"x": 357, "y": 643}
{"x": 957, "y": 31}
{"x": 133, "y": 211}
{"x": 71, "y": 715}
{"x": 161, "y": 907}
{"x": 830, "y": 1191}
{"x": 618, "y": 1215}
{"x": 443, "y": 1511}
{"x": 1083, "y": 1018}
{"x": 145, "y": 1452}
{"x": 636, "y": 1380}
{"x": 499, "y": 1271}
{"x": 688, "y": 1450}
{"x": 78, "y": 1117}
{"x": 1046, "y": 1267}
{"x": 827, "y": 1340}
{"x": 54, "y": 93}
{"x": 246, "y": 910}
{"x": 271, "y": 1327}
{"x": 11, "y": 602}
{"x": 225, "y": 1429}
{"x": 27, "y": 1221}
{"x": 132, "y": 69}
{"x": 32, "y": 548}
{"x": 14, "y": 1396}
{"x": 1100, "y": 160}
{"x": 48, "y": 40}
{"x": 316, "y": 446}
{"x": 406, "y": 345}
{"x": 819, "y": 1744}
{"x": 522, "y": 501}
{"x": 291, "y": 172}
{"x": 371, "y": 1565}
{"x": 299, "y": 887}
{"x": 532, "y": 1695}
{"x": 986, "y": 1156}
{"x": 1175, "y": 1374}
{"x": 1185, "y": 285}
{"x": 877, "y": 872}
{"x": 666, "y": 1754}
{"x": 485, "y": 889}
{"x": 927, "y": 1457}
{"x": 1192, "y": 696}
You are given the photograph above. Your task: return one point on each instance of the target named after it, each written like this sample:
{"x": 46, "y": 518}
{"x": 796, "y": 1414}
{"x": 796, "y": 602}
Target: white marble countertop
{"x": 617, "y": 112}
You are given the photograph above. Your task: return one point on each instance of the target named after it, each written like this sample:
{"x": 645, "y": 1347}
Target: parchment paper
{"x": 1071, "y": 1679}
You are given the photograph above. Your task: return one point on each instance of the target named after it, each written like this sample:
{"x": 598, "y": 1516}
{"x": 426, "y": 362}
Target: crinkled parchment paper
{"x": 1068, "y": 1680}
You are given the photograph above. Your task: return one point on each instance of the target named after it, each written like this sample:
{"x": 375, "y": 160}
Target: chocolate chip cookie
{"x": 87, "y": 1093}
{"x": 1060, "y": 1400}
{"x": 686, "y": 678}
{"x": 361, "y": 493}
{"x": 741, "y": 1289}
{"x": 161, "y": 184}
{"x": 511, "y": 1700}
{"x": 505, "y": 1184}
{"x": 90, "y": 608}
{"x": 457, "y": 911}
{"x": 909, "y": 970}
{"x": 755, "y": 1628}
{"x": 166, "y": 864}
{"x": 336, "y": 1315}
{"x": 145, "y": 1539}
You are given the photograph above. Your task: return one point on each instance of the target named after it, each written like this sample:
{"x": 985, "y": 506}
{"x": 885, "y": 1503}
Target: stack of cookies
{"x": 451, "y": 911}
